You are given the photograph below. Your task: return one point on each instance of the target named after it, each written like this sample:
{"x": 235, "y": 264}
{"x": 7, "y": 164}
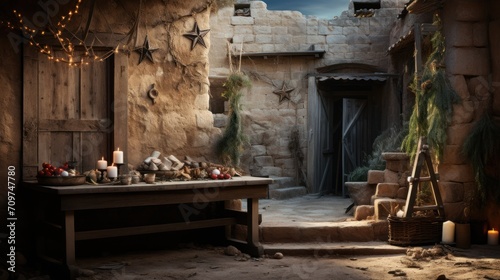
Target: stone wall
{"x": 472, "y": 68}
{"x": 179, "y": 123}
{"x": 268, "y": 122}
{"x": 465, "y": 28}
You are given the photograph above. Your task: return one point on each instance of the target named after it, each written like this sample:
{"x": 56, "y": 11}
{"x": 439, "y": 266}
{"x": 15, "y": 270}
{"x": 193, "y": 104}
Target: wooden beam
{"x": 72, "y": 125}
{"x": 127, "y": 231}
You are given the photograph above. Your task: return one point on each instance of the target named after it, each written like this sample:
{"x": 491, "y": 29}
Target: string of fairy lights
{"x": 79, "y": 50}
{"x": 83, "y": 54}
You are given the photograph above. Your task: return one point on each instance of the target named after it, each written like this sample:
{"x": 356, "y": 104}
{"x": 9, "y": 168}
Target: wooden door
{"x": 356, "y": 135}
{"x": 68, "y": 113}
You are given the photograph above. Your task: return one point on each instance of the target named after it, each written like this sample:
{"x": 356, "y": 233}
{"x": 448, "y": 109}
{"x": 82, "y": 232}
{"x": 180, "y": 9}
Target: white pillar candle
{"x": 448, "y": 232}
{"x": 112, "y": 171}
{"x": 493, "y": 237}
{"x": 118, "y": 156}
{"x": 102, "y": 164}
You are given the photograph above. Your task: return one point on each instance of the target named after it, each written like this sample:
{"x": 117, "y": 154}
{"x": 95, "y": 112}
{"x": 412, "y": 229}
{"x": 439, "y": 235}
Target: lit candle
{"x": 112, "y": 171}
{"x": 448, "y": 232}
{"x": 118, "y": 156}
{"x": 493, "y": 237}
{"x": 102, "y": 164}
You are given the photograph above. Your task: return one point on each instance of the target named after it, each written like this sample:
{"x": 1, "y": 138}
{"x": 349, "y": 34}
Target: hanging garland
{"x": 434, "y": 99}
{"x": 230, "y": 146}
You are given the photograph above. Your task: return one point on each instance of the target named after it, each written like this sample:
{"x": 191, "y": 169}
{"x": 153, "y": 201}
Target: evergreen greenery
{"x": 434, "y": 98}
{"x": 389, "y": 141}
{"x": 480, "y": 147}
{"x": 230, "y": 146}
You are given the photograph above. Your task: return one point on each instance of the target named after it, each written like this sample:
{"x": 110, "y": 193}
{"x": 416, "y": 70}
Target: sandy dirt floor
{"x": 438, "y": 262}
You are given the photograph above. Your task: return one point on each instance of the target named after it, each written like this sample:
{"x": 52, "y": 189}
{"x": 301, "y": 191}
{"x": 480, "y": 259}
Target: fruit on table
{"x": 51, "y": 170}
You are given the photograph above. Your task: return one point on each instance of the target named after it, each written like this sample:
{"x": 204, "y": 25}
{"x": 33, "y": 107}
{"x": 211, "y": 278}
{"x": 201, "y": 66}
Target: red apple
{"x": 227, "y": 176}
{"x": 220, "y": 176}
{"x": 213, "y": 176}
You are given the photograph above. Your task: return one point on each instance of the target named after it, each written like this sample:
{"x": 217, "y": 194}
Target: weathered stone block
{"x": 479, "y": 87}
{"x": 451, "y": 191}
{"x": 360, "y": 192}
{"x": 389, "y": 190}
{"x": 243, "y": 38}
{"x": 258, "y": 5}
{"x": 271, "y": 171}
{"x": 318, "y": 39}
{"x": 456, "y": 173}
{"x": 459, "y": 34}
{"x": 454, "y": 211}
{"x": 452, "y": 154}
{"x": 402, "y": 193}
{"x": 375, "y": 176}
{"x": 459, "y": 84}
{"x": 263, "y": 39}
{"x": 458, "y": 133}
{"x": 391, "y": 176}
{"x": 397, "y": 165}
{"x": 355, "y": 233}
{"x": 467, "y": 61}
{"x": 363, "y": 212}
{"x": 480, "y": 34}
{"x": 466, "y": 10}
{"x": 463, "y": 112}
{"x": 220, "y": 120}
{"x": 259, "y": 150}
{"x": 263, "y": 161}
{"x": 235, "y": 20}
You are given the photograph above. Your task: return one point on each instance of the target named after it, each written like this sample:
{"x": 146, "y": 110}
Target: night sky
{"x": 321, "y": 8}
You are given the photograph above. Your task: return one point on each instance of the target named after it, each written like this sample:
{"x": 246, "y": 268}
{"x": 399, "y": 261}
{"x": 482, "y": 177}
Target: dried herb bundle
{"x": 434, "y": 99}
{"x": 230, "y": 146}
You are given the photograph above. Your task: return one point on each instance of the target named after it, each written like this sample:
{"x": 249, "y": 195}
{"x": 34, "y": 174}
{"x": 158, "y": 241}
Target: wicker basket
{"x": 415, "y": 230}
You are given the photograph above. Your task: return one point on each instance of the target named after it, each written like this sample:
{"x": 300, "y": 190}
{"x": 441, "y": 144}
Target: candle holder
{"x": 118, "y": 165}
{"x": 102, "y": 174}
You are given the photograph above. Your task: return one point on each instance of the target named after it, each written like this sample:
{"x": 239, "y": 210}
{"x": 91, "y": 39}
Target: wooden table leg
{"x": 69, "y": 233}
{"x": 254, "y": 247}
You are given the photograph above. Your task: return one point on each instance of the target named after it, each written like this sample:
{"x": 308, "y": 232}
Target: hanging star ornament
{"x": 145, "y": 51}
{"x": 284, "y": 92}
{"x": 196, "y": 36}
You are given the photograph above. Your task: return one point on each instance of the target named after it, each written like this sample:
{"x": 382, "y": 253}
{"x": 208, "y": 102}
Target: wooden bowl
{"x": 61, "y": 180}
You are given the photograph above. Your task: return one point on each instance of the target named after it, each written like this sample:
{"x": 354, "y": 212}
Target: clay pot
{"x": 149, "y": 178}
{"x": 462, "y": 235}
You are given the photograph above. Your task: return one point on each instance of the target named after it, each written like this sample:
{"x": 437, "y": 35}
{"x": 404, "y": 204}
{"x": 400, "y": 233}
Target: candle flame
{"x": 117, "y": 149}
{"x": 102, "y": 158}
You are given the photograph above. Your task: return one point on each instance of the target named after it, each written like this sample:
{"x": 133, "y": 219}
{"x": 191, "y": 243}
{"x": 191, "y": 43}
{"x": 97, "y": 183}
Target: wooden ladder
{"x": 422, "y": 157}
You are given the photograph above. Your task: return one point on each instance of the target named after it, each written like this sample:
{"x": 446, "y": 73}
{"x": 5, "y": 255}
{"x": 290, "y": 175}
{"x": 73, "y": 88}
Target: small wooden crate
{"x": 415, "y": 230}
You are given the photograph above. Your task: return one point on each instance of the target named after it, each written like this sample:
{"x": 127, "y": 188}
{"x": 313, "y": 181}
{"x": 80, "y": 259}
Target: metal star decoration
{"x": 284, "y": 92}
{"x": 145, "y": 51}
{"x": 196, "y": 36}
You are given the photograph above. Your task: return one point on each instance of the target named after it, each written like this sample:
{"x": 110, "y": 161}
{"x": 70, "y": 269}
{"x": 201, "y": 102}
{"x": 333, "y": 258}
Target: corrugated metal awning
{"x": 379, "y": 77}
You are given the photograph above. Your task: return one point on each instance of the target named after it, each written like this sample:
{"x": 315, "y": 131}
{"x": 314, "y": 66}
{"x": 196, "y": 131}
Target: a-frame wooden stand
{"x": 423, "y": 157}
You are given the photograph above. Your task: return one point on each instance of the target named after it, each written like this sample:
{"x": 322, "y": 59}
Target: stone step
{"x": 333, "y": 249}
{"x": 287, "y": 193}
{"x": 325, "y": 232}
{"x": 281, "y": 182}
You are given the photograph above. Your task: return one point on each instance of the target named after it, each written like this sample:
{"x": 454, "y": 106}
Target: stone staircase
{"x": 285, "y": 188}
{"x": 384, "y": 192}
{"x": 318, "y": 228}
{"x": 365, "y": 234}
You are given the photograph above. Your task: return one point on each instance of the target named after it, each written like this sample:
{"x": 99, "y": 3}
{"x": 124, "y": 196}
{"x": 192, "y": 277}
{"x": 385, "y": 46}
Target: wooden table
{"x": 89, "y": 197}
